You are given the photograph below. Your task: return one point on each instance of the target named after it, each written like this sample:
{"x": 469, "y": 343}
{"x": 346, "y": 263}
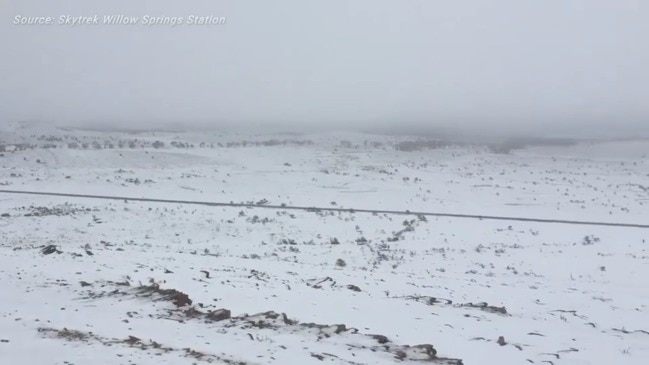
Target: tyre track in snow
{"x": 329, "y": 209}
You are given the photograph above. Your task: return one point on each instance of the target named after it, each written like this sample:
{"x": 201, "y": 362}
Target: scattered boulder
{"x": 50, "y": 249}
{"x": 353, "y": 288}
{"x": 501, "y": 341}
{"x": 219, "y": 315}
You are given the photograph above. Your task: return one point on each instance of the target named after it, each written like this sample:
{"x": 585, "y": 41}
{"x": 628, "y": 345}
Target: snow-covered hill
{"x": 123, "y": 282}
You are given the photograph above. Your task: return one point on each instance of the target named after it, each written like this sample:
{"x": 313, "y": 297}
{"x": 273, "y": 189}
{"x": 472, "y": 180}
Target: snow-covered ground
{"x": 124, "y": 282}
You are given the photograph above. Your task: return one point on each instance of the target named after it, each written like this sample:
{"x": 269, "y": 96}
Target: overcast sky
{"x": 450, "y": 62}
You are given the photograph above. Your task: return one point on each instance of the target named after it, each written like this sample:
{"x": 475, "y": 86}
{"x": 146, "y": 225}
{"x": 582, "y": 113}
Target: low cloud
{"x": 468, "y": 64}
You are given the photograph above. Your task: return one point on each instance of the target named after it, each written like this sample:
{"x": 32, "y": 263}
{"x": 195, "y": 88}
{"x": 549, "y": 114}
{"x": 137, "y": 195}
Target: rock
{"x": 132, "y": 340}
{"x": 353, "y": 288}
{"x": 219, "y": 315}
{"x": 50, "y": 249}
{"x": 380, "y": 339}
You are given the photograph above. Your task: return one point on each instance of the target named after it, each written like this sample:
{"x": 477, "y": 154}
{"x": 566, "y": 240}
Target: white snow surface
{"x": 84, "y": 280}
